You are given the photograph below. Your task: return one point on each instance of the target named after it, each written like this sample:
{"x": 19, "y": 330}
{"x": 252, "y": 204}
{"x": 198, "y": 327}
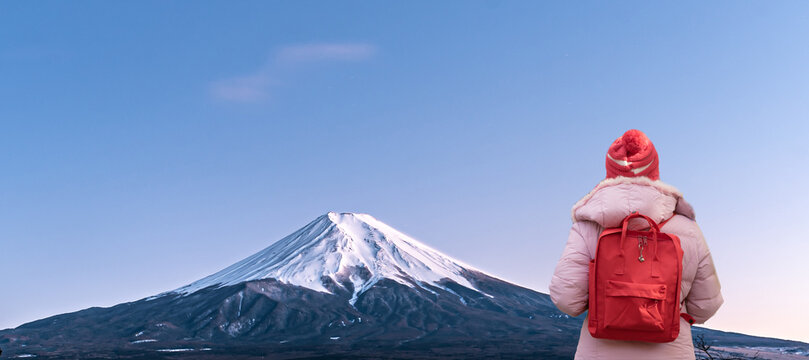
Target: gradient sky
{"x": 145, "y": 145}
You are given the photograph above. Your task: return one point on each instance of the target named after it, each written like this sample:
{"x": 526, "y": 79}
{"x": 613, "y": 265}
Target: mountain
{"x": 351, "y": 251}
{"x": 343, "y": 286}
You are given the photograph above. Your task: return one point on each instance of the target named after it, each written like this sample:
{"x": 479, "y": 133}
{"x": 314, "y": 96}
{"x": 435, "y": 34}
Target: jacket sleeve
{"x": 568, "y": 288}
{"x": 705, "y": 296}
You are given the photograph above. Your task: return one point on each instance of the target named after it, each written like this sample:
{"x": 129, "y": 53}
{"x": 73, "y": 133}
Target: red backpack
{"x": 635, "y": 284}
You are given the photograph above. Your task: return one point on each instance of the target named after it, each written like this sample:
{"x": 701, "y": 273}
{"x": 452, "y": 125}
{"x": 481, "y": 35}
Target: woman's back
{"x": 605, "y": 206}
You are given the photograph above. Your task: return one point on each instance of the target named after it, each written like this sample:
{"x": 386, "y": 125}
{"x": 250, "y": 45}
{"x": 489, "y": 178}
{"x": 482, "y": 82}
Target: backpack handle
{"x": 624, "y": 227}
{"x": 635, "y": 214}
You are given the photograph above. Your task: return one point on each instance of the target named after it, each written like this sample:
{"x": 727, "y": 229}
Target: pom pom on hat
{"x": 634, "y": 141}
{"x": 631, "y": 155}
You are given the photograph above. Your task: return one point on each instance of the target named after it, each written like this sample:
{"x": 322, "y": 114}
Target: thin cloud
{"x": 250, "y": 88}
{"x": 326, "y": 52}
{"x": 255, "y": 87}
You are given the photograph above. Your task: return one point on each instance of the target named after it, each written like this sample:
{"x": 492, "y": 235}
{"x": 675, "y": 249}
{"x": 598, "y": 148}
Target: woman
{"x": 633, "y": 184}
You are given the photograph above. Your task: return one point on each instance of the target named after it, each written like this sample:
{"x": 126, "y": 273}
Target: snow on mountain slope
{"x": 344, "y": 247}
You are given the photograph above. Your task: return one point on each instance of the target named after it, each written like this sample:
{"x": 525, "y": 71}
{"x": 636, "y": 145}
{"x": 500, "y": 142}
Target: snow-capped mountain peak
{"x": 343, "y": 247}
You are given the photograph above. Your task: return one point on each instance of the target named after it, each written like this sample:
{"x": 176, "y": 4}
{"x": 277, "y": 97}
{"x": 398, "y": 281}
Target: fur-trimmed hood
{"x": 615, "y": 198}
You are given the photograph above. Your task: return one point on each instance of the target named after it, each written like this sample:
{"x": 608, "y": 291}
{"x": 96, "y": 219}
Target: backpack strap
{"x": 688, "y": 318}
{"x": 667, "y": 220}
{"x": 660, "y": 225}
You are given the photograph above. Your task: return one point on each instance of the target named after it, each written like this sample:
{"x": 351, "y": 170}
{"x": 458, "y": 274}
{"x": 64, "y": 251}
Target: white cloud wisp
{"x": 255, "y": 87}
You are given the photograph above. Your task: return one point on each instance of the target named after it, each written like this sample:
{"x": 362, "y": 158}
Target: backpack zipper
{"x": 641, "y": 245}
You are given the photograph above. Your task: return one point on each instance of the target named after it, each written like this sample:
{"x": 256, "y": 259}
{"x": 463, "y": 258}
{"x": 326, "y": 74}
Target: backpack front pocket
{"x": 630, "y": 306}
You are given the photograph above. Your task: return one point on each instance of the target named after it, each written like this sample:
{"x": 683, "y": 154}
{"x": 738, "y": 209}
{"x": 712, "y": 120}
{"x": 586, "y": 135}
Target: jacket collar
{"x": 681, "y": 207}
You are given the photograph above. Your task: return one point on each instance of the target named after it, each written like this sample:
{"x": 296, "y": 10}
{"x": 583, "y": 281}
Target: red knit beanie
{"x": 632, "y": 154}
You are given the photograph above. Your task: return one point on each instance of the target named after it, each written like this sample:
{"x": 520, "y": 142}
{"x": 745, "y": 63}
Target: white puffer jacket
{"x": 605, "y": 206}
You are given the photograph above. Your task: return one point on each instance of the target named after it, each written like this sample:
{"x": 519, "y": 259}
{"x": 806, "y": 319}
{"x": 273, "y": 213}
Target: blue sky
{"x": 147, "y": 144}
